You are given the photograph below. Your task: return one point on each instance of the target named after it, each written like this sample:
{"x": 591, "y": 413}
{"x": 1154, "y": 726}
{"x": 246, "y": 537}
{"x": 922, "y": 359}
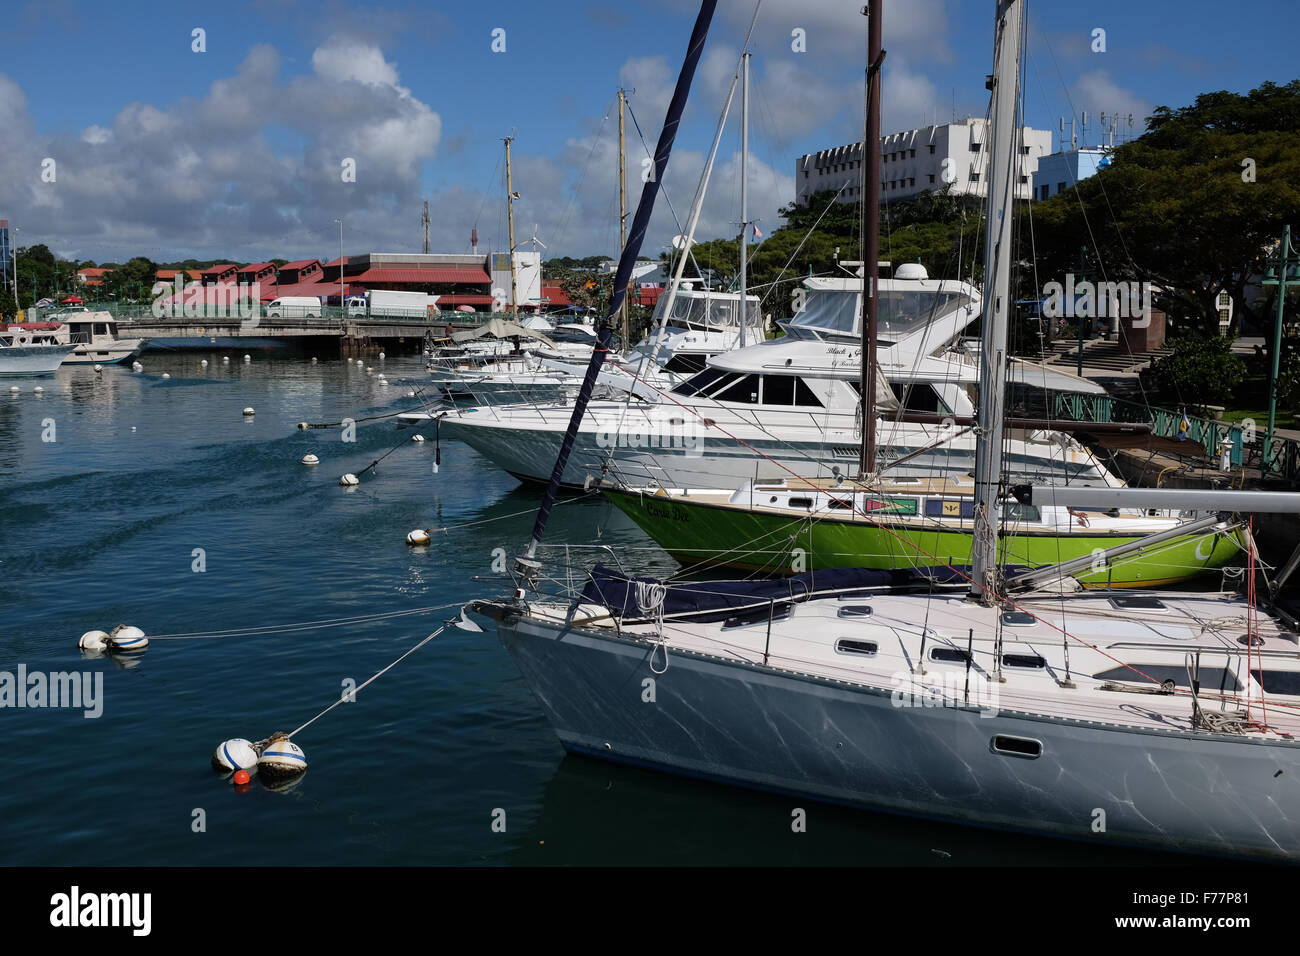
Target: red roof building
{"x": 219, "y": 273}
{"x": 301, "y": 270}
{"x": 92, "y": 276}
{"x": 263, "y": 272}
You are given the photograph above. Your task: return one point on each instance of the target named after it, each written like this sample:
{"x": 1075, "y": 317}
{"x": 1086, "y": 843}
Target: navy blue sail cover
{"x": 718, "y": 600}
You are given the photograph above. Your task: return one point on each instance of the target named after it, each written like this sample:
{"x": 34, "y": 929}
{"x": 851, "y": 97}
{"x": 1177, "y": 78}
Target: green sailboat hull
{"x": 721, "y": 536}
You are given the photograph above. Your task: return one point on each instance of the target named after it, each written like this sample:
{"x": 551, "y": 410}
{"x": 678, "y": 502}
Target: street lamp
{"x": 343, "y": 312}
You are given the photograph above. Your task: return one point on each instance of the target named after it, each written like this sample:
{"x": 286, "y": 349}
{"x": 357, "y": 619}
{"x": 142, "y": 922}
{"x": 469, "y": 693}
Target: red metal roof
{"x": 447, "y": 300}
{"x": 300, "y": 264}
{"x": 425, "y": 274}
{"x": 556, "y": 294}
{"x": 321, "y": 290}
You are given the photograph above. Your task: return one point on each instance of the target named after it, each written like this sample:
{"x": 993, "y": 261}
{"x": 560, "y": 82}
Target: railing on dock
{"x": 1247, "y": 439}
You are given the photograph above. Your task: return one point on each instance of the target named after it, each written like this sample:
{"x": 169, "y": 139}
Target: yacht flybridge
{"x": 790, "y": 407}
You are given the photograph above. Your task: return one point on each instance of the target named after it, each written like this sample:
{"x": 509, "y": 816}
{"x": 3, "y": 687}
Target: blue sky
{"x": 167, "y": 152}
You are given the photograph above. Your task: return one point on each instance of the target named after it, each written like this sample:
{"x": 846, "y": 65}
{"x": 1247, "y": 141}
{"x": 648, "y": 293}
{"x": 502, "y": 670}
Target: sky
{"x": 178, "y": 129}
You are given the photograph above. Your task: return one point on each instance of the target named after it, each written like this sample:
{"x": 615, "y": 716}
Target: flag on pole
{"x": 1183, "y": 427}
{"x": 757, "y": 232}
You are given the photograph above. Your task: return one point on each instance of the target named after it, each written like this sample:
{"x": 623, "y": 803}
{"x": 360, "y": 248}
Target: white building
{"x": 1061, "y": 171}
{"x": 919, "y": 159}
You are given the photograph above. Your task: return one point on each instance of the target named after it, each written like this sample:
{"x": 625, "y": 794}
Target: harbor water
{"x": 129, "y": 498}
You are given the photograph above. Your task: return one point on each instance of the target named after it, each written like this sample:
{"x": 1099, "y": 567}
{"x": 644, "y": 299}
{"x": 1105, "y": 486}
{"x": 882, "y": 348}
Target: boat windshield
{"x": 902, "y": 312}
{"x": 702, "y": 310}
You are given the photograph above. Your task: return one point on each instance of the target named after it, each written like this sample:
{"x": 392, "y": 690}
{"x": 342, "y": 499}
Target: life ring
{"x": 22, "y": 338}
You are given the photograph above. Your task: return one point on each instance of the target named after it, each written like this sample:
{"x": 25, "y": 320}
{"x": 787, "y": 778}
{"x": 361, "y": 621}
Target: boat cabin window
{"x": 1138, "y": 602}
{"x": 1023, "y": 660}
{"x": 862, "y": 648}
{"x": 855, "y": 610}
{"x": 760, "y": 615}
{"x": 834, "y": 311}
{"x": 101, "y": 328}
{"x": 778, "y": 389}
{"x": 1278, "y": 682}
{"x": 697, "y": 383}
{"x": 919, "y": 397}
{"x": 686, "y": 362}
{"x": 744, "y": 389}
{"x": 1212, "y": 678}
{"x": 949, "y": 655}
{"x": 1018, "y": 619}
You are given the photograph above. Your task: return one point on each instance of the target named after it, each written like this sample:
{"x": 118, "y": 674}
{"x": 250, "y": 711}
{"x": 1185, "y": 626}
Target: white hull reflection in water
{"x": 883, "y": 712}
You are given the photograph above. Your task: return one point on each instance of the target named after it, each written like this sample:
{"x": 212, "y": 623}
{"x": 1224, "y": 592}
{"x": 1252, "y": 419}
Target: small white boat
{"x": 94, "y": 336}
{"x": 24, "y": 353}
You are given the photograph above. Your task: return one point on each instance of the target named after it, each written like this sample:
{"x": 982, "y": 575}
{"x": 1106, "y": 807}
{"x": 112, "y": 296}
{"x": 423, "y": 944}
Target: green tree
{"x": 1199, "y": 371}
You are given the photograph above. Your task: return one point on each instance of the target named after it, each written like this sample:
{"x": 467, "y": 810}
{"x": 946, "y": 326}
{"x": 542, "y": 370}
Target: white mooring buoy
{"x": 382, "y": 356}
{"x": 313, "y": 360}
{"x": 417, "y": 438}
{"x": 98, "y": 367}
{"x": 93, "y": 641}
{"x": 310, "y": 459}
{"x": 349, "y": 361}
{"x": 234, "y": 754}
{"x": 204, "y": 363}
{"x": 282, "y": 757}
{"x": 248, "y": 358}
{"x": 248, "y": 412}
{"x": 15, "y": 389}
{"x": 418, "y": 538}
{"x": 166, "y": 375}
{"x": 349, "y": 479}
{"x": 303, "y": 426}
{"x": 39, "y": 390}
{"x": 225, "y": 359}
{"x": 126, "y": 638}
{"x": 410, "y": 395}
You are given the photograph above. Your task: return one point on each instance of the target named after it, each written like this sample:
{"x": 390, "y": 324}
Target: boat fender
{"x": 93, "y": 641}
{"x": 127, "y": 639}
{"x": 281, "y": 757}
{"x": 234, "y": 754}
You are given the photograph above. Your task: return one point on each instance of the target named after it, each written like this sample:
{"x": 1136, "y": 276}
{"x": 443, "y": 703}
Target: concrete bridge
{"x": 355, "y": 335}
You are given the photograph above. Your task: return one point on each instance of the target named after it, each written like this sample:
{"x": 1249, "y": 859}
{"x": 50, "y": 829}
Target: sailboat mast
{"x": 870, "y": 237}
{"x": 744, "y": 193}
{"x": 1003, "y": 156}
{"x": 510, "y": 216}
{"x": 622, "y": 206}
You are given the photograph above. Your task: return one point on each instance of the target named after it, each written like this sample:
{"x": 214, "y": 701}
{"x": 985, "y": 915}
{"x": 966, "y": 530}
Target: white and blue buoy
{"x": 126, "y": 638}
{"x": 204, "y": 363}
{"x": 349, "y": 479}
{"x": 282, "y": 757}
{"x": 225, "y": 359}
{"x": 98, "y": 367}
{"x": 234, "y": 754}
{"x": 93, "y": 641}
{"x": 418, "y": 538}
{"x": 15, "y": 389}
{"x": 249, "y": 412}
{"x": 39, "y": 390}
{"x": 137, "y": 367}
{"x": 417, "y": 438}
{"x": 310, "y": 459}
{"x": 248, "y": 358}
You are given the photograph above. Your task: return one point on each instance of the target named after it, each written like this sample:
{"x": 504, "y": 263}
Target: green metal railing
{"x": 331, "y": 315}
{"x": 1283, "y": 461}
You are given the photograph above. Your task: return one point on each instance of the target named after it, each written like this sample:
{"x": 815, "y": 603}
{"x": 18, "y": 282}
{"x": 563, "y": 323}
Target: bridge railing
{"x": 331, "y": 316}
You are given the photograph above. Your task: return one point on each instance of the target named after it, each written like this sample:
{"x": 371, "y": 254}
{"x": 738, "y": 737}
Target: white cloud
{"x": 1096, "y": 92}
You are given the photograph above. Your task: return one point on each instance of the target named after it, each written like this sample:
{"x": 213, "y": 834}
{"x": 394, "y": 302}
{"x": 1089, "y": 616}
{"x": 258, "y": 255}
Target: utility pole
{"x": 1280, "y": 276}
{"x": 425, "y": 221}
{"x": 343, "y": 307}
{"x": 744, "y": 194}
{"x": 622, "y": 210}
{"x": 510, "y": 216}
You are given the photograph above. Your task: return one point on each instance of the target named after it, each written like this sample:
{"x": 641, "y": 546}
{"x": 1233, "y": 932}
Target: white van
{"x": 294, "y": 307}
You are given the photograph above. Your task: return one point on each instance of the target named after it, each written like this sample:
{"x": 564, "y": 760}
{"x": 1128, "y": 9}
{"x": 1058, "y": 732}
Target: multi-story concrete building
{"x": 1060, "y": 171}
{"x": 913, "y": 161}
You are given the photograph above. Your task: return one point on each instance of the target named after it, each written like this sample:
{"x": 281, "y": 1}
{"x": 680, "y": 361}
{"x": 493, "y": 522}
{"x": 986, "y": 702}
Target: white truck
{"x": 294, "y": 307}
{"x": 389, "y": 302}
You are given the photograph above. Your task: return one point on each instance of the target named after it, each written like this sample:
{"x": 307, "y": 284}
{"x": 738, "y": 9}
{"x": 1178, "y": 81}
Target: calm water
{"x": 99, "y": 527}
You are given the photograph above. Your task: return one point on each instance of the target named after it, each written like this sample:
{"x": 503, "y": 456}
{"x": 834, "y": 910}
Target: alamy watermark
{"x": 1099, "y": 300}
{"x": 82, "y": 690}
{"x": 660, "y": 429}
{"x": 945, "y": 689}
{"x": 224, "y": 300}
